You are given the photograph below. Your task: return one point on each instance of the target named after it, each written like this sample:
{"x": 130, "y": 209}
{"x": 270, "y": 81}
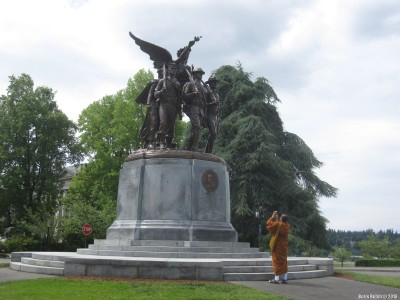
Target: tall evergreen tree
{"x": 270, "y": 168}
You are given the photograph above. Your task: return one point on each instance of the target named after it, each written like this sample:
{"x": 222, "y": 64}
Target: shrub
{"x": 378, "y": 263}
{"x": 341, "y": 254}
{"x": 18, "y": 243}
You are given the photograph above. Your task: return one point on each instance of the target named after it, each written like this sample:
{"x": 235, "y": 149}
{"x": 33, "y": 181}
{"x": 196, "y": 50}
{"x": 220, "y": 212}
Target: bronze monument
{"x": 178, "y": 87}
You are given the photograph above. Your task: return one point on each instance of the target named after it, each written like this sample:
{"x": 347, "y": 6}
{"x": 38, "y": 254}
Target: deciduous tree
{"x": 36, "y": 141}
{"x": 341, "y": 254}
{"x": 109, "y": 133}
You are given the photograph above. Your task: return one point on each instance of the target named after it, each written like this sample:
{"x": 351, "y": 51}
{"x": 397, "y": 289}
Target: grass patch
{"x": 67, "y": 288}
{"x": 375, "y": 279}
{"x": 4, "y": 265}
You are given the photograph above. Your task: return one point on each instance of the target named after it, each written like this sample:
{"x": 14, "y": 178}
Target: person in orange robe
{"x": 279, "y": 229}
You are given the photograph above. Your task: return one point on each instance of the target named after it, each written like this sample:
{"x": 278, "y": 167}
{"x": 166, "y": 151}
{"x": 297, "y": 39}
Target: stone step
{"x": 260, "y": 262}
{"x": 170, "y": 254}
{"x": 42, "y": 262}
{"x": 169, "y": 243}
{"x": 225, "y": 268}
{"x": 270, "y": 275}
{"x": 174, "y": 249}
{"x": 266, "y": 269}
{"x": 57, "y": 256}
{"x": 19, "y": 266}
{"x": 113, "y": 242}
{"x": 17, "y": 256}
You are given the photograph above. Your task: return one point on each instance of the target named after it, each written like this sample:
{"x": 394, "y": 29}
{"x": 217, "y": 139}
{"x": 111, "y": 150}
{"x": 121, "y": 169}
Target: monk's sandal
{"x": 274, "y": 281}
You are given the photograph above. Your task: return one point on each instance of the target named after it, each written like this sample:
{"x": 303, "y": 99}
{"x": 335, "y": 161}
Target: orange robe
{"x": 279, "y": 253}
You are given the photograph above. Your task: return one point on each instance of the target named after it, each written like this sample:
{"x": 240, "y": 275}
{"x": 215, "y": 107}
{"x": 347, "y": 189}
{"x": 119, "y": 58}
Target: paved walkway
{"x": 325, "y": 288}
{"x": 328, "y": 288}
{"x": 7, "y": 274}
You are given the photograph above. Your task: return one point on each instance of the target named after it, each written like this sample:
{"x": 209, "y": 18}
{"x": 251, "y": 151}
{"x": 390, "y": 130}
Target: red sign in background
{"x": 87, "y": 229}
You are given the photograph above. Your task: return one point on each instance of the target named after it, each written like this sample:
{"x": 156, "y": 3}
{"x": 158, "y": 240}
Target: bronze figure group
{"x": 178, "y": 87}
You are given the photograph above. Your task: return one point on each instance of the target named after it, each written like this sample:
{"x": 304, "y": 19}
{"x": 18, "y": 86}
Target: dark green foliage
{"x": 380, "y": 247}
{"x": 37, "y": 140}
{"x": 367, "y": 243}
{"x": 109, "y": 132}
{"x": 378, "y": 263}
{"x": 19, "y": 243}
{"x": 343, "y": 238}
{"x": 270, "y": 168}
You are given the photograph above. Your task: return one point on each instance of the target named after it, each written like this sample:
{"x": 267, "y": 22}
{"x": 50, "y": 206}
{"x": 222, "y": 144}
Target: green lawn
{"x": 74, "y": 289}
{"x": 376, "y": 279}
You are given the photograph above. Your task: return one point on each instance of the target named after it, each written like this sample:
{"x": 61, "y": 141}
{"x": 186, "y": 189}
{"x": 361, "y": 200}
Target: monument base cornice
{"x": 184, "y": 154}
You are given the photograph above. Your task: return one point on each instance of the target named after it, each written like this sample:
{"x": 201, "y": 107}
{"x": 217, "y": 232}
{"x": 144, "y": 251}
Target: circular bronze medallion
{"x": 210, "y": 180}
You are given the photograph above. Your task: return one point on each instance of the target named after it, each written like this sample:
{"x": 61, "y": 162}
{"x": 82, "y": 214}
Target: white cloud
{"x": 334, "y": 64}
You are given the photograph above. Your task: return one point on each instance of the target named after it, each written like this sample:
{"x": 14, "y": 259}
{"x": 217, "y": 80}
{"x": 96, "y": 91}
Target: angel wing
{"x": 157, "y": 54}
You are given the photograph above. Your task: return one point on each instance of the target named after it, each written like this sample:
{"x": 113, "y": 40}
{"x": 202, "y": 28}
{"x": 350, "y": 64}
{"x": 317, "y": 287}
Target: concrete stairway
{"x": 38, "y": 262}
{"x": 172, "y": 249}
{"x": 261, "y": 270}
{"x": 167, "y": 259}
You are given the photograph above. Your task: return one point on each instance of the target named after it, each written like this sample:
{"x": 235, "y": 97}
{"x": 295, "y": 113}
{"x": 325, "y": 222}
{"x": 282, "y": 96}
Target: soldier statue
{"x": 152, "y": 120}
{"x": 212, "y": 109}
{"x": 194, "y": 102}
{"x": 169, "y": 94}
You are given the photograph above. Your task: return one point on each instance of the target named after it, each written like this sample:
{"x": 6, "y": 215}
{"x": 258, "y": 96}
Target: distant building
{"x": 65, "y": 180}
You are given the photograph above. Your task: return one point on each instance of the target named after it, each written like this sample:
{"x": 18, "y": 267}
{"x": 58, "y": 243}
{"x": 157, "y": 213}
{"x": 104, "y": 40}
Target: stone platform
{"x": 173, "y": 222}
{"x": 167, "y": 260}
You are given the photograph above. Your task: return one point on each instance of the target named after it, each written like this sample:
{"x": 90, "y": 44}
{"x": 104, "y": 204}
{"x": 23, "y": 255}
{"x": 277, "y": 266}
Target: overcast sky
{"x": 335, "y": 65}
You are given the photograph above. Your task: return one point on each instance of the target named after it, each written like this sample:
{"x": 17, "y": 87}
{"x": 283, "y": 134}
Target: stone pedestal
{"x": 173, "y": 195}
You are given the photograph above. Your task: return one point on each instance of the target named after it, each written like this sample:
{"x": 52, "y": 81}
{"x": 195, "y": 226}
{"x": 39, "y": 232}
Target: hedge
{"x": 378, "y": 263}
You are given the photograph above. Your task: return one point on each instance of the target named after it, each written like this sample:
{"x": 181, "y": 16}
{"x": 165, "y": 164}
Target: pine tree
{"x": 270, "y": 168}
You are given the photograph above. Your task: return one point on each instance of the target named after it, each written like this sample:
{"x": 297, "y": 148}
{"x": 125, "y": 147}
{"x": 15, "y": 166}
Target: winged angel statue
{"x": 160, "y": 119}
{"x": 161, "y": 57}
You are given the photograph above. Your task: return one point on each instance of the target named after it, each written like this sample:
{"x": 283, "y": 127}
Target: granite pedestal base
{"x": 173, "y": 195}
